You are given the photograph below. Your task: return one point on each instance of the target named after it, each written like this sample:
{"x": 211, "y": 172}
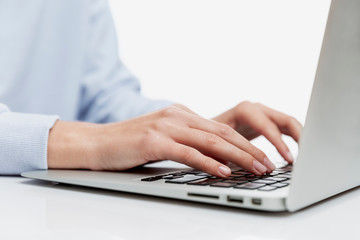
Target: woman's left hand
{"x": 254, "y": 119}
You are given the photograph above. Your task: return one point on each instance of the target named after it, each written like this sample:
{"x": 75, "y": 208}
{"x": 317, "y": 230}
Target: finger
{"x": 217, "y": 148}
{"x": 191, "y": 157}
{"x": 264, "y": 125}
{"x": 273, "y": 134}
{"x": 228, "y": 134}
{"x": 287, "y": 124}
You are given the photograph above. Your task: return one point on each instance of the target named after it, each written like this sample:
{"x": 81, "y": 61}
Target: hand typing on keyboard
{"x": 178, "y": 134}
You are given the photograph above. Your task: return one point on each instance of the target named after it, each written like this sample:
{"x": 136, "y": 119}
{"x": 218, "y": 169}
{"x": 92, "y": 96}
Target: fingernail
{"x": 269, "y": 164}
{"x": 290, "y": 157}
{"x": 259, "y": 167}
{"x": 224, "y": 171}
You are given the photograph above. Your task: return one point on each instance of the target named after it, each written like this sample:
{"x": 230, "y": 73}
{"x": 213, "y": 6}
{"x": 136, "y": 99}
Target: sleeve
{"x": 23, "y": 141}
{"x": 109, "y": 92}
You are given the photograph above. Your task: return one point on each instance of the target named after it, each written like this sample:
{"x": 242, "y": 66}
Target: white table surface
{"x": 32, "y": 209}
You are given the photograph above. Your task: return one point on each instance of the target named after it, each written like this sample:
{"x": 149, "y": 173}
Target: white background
{"x": 212, "y": 54}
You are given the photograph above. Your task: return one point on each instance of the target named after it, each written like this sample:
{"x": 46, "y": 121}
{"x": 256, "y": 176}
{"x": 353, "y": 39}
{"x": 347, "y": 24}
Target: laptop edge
{"x": 328, "y": 162}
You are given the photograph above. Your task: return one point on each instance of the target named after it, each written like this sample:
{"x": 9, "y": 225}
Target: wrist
{"x": 72, "y": 145}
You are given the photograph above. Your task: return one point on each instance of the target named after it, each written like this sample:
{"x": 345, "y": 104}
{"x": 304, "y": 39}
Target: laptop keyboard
{"x": 239, "y": 178}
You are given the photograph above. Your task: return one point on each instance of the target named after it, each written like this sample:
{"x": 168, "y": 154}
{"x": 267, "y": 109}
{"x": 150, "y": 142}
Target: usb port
{"x": 235, "y": 199}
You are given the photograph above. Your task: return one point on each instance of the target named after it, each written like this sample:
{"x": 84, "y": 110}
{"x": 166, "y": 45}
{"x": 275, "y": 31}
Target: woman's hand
{"x": 173, "y": 133}
{"x": 253, "y": 119}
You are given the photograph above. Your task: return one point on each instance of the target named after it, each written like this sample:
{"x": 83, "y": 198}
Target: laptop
{"x": 328, "y": 162}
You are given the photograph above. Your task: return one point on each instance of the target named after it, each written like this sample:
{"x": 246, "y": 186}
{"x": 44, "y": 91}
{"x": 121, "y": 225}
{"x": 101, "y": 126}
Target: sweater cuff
{"x": 24, "y": 141}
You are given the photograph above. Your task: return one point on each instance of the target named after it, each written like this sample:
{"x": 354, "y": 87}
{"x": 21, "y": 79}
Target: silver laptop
{"x": 329, "y": 154}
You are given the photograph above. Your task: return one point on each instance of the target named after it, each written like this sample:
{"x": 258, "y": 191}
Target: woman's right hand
{"x": 173, "y": 133}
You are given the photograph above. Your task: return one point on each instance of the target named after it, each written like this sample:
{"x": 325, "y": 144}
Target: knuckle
{"x": 162, "y": 124}
{"x": 181, "y": 106}
{"x": 211, "y": 140}
{"x": 206, "y": 164}
{"x": 245, "y": 106}
{"x": 157, "y": 125}
{"x": 225, "y": 130}
{"x": 269, "y": 127}
{"x": 169, "y": 112}
{"x": 263, "y": 127}
{"x": 186, "y": 155}
{"x": 258, "y": 104}
{"x": 260, "y": 154}
{"x": 275, "y": 137}
{"x": 293, "y": 121}
{"x": 247, "y": 102}
{"x": 257, "y": 153}
{"x": 253, "y": 151}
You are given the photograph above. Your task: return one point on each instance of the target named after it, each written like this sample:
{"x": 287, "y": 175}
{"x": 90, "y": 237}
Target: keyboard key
{"x": 172, "y": 176}
{"x": 223, "y": 184}
{"x": 280, "y": 171}
{"x": 229, "y": 178}
{"x": 279, "y": 185}
{"x": 274, "y": 173}
{"x": 151, "y": 179}
{"x": 250, "y": 186}
{"x": 247, "y": 178}
{"x": 265, "y": 176}
{"x": 264, "y": 181}
{"x": 278, "y": 179}
{"x": 204, "y": 174}
{"x": 285, "y": 175}
{"x": 205, "y": 182}
{"x": 195, "y": 172}
{"x": 235, "y": 181}
{"x": 267, "y": 188}
{"x": 179, "y": 174}
{"x": 185, "y": 179}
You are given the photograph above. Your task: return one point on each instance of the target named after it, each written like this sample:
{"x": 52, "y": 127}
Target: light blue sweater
{"x": 59, "y": 58}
